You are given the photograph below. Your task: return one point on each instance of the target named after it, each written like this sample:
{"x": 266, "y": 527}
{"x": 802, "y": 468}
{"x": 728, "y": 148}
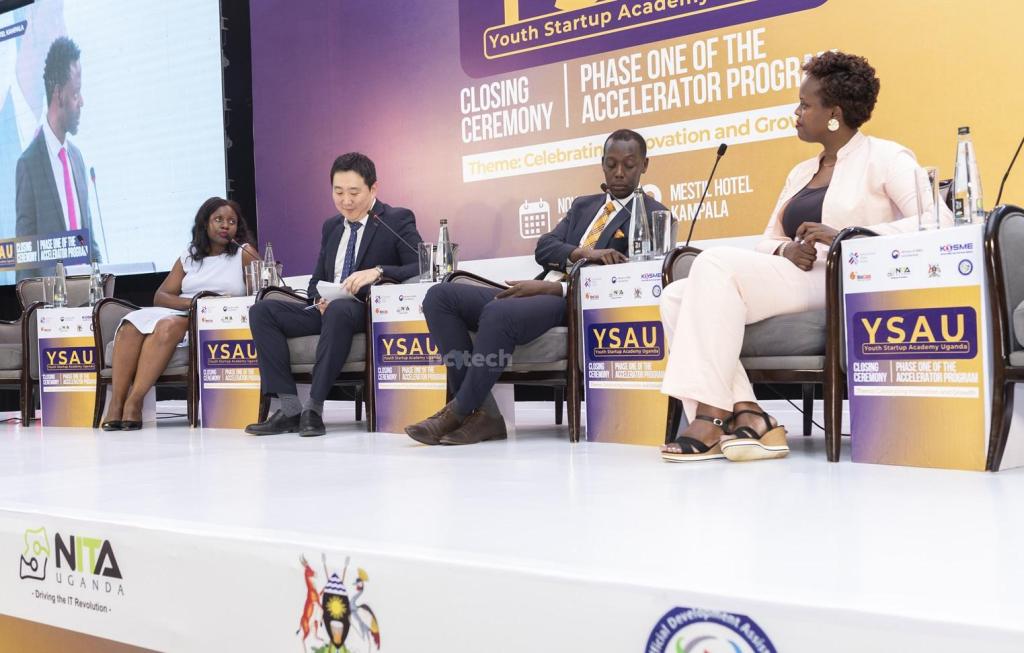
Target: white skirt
{"x": 145, "y": 319}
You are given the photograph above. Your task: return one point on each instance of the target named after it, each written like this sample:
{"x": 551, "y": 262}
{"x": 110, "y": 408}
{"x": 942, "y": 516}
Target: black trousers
{"x": 273, "y": 322}
{"x": 454, "y": 310}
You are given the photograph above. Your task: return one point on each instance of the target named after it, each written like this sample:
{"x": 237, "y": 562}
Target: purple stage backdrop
{"x": 491, "y": 113}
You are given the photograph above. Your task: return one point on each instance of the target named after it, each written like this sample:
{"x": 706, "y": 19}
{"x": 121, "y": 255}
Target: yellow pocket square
{"x": 619, "y": 234}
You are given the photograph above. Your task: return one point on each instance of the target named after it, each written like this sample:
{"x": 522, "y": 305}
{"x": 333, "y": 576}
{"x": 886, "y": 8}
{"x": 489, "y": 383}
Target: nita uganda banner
{"x": 917, "y": 339}
{"x": 503, "y": 106}
{"x": 67, "y": 366}
{"x": 408, "y": 371}
{"x": 229, "y": 376}
{"x": 624, "y": 353}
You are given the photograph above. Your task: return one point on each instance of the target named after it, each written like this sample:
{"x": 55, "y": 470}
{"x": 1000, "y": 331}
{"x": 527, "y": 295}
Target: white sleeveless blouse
{"x": 221, "y": 274}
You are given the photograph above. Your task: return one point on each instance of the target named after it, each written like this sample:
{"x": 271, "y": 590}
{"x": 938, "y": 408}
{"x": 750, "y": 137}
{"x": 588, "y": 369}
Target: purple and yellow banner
{"x": 67, "y": 366}
{"x": 624, "y": 353}
{"x": 409, "y": 374}
{"x": 43, "y": 252}
{"x": 916, "y": 339}
{"x": 229, "y": 378}
{"x": 504, "y": 105}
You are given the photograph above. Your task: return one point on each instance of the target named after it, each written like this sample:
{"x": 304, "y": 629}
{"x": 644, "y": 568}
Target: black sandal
{"x": 744, "y": 443}
{"x": 692, "y": 449}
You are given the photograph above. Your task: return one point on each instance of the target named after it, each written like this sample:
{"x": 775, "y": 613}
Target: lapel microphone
{"x": 696, "y": 214}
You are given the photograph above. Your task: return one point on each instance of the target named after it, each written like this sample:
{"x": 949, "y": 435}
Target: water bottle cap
{"x": 444, "y": 220}
{"x": 963, "y": 130}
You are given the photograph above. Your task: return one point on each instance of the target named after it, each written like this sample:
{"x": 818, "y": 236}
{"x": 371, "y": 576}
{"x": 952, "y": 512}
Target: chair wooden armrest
{"x": 280, "y": 294}
{"x": 462, "y": 276}
{"x": 677, "y": 263}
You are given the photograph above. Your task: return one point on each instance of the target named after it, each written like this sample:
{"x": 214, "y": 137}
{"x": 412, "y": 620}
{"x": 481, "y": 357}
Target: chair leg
{"x": 808, "y": 395}
{"x": 27, "y": 400}
{"x": 101, "y": 400}
{"x": 264, "y": 408}
{"x": 999, "y": 432}
{"x": 359, "y": 403}
{"x": 574, "y": 401}
{"x": 674, "y": 418}
{"x": 833, "y": 399}
{"x": 559, "y": 405}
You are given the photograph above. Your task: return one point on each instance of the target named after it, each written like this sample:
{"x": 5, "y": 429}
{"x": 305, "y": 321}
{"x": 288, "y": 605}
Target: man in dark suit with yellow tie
{"x": 356, "y": 250}
{"x": 596, "y": 228}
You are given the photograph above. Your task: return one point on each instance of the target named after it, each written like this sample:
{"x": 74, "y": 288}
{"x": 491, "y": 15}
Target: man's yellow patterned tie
{"x": 595, "y": 232}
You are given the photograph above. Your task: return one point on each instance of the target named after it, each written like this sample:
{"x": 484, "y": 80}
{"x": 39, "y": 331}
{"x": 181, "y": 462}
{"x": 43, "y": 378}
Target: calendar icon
{"x": 534, "y": 219}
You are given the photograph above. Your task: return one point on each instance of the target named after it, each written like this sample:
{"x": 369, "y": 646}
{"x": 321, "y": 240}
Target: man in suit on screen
{"x": 596, "y": 228}
{"x": 52, "y": 191}
{"x": 356, "y": 249}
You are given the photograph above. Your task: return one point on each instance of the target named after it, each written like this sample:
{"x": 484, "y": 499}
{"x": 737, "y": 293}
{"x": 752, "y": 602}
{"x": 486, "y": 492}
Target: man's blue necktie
{"x": 350, "y": 250}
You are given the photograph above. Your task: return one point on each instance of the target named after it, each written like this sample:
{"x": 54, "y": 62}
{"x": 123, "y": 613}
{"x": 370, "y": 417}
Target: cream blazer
{"x": 872, "y": 186}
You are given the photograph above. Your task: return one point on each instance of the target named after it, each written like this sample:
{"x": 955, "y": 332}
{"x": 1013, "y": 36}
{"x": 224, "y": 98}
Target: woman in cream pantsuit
{"x": 856, "y": 180}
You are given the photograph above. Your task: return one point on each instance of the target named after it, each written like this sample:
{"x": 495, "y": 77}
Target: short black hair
{"x": 57, "y": 70}
{"x": 628, "y": 135}
{"x": 200, "y": 246}
{"x": 358, "y": 163}
{"x": 847, "y": 81}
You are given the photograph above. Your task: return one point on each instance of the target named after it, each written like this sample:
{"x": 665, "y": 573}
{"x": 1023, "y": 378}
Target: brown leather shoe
{"x": 479, "y": 426}
{"x": 430, "y": 430}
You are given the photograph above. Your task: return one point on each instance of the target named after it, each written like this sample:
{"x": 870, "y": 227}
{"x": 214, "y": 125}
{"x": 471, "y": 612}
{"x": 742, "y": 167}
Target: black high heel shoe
{"x": 112, "y": 425}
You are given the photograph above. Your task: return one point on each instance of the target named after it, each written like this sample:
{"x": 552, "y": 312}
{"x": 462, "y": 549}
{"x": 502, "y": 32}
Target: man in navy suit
{"x": 52, "y": 191}
{"x": 355, "y": 251}
{"x": 596, "y": 228}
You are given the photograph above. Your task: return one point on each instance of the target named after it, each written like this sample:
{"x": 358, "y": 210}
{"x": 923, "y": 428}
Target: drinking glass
{"x": 254, "y": 277}
{"x": 663, "y": 230}
{"x": 926, "y": 182}
{"x": 48, "y": 283}
{"x": 426, "y": 252}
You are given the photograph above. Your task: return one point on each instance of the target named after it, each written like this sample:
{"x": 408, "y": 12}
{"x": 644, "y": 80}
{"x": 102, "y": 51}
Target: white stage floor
{"x": 529, "y": 544}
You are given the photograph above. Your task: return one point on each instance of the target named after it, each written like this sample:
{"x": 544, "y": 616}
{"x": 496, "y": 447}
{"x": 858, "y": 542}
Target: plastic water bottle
{"x": 60, "y": 286}
{"x": 268, "y": 273}
{"x": 95, "y": 284}
{"x": 444, "y": 262}
{"x": 641, "y": 247}
{"x": 967, "y": 202}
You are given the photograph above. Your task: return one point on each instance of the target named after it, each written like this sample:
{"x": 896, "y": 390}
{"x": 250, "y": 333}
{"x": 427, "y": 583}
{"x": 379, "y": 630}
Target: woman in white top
{"x": 146, "y": 338}
{"x": 856, "y": 180}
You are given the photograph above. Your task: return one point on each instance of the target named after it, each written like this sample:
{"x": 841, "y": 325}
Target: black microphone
{"x": 1007, "y": 175}
{"x": 622, "y": 207}
{"x": 696, "y": 214}
{"x": 404, "y": 241}
{"x": 99, "y": 213}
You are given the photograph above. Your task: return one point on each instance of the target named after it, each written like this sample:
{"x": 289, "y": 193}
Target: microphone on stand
{"x": 395, "y": 233}
{"x": 622, "y": 207}
{"x": 1007, "y": 175}
{"x": 99, "y": 214}
{"x": 696, "y": 214}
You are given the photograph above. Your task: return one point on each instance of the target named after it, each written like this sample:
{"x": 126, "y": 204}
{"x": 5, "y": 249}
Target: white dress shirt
{"x": 339, "y": 258}
{"x": 53, "y": 147}
{"x": 555, "y": 275}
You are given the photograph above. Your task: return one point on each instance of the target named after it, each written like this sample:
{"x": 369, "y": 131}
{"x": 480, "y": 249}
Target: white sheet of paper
{"x": 331, "y": 291}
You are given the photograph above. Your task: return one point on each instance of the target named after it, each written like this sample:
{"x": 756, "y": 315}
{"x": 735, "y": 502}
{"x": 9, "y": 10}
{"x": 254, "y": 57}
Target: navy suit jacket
{"x": 378, "y": 246}
{"x": 36, "y": 198}
{"x": 554, "y": 247}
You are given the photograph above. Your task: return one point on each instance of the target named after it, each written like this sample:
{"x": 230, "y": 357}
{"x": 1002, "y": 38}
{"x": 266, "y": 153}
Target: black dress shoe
{"x": 276, "y": 423}
{"x": 112, "y": 425}
{"x": 311, "y": 424}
